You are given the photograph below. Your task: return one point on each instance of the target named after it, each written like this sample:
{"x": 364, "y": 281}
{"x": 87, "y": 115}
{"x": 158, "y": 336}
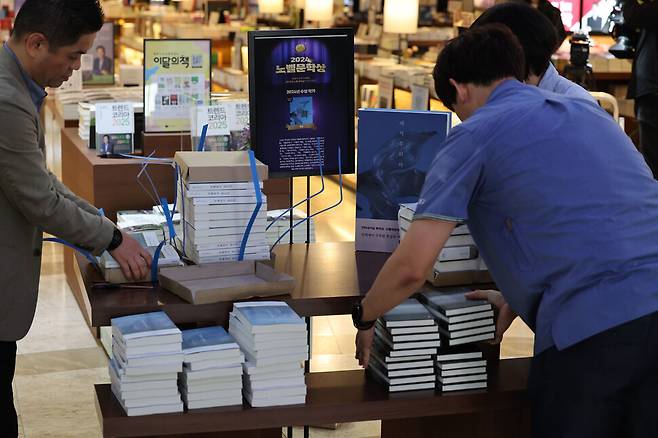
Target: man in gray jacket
{"x": 48, "y": 39}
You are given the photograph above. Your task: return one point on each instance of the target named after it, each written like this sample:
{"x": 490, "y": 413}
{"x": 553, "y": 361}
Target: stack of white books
{"x": 461, "y": 321}
{"x": 212, "y": 369}
{"x": 278, "y": 228}
{"x": 216, "y": 216}
{"x": 459, "y": 253}
{"x": 405, "y": 340}
{"x": 461, "y": 368}
{"x": 148, "y": 356}
{"x": 274, "y": 340}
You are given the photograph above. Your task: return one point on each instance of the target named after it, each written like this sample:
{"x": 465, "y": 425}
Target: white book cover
{"x": 192, "y": 209}
{"x": 470, "y": 339}
{"x": 251, "y": 369}
{"x": 205, "y": 404}
{"x": 144, "y": 325}
{"x": 121, "y": 376}
{"x": 226, "y": 397}
{"x": 226, "y": 200}
{"x": 263, "y": 402}
{"x": 211, "y": 372}
{"x": 215, "y": 224}
{"x": 215, "y": 388}
{"x": 152, "y": 410}
{"x": 137, "y": 394}
{"x": 265, "y": 385}
{"x": 460, "y": 318}
{"x": 462, "y": 379}
{"x": 463, "y": 386}
{"x": 212, "y": 364}
{"x": 290, "y": 374}
{"x": 263, "y": 338}
{"x": 204, "y": 187}
{"x": 277, "y": 392}
{"x": 468, "y": 332}
{"x": 453, "y": 303}
{"x": 148, "y": 359}
{"x": 462, "y": 372}
{"x": 223, "y": 358}
{"x": 167, "y": 368}
{"x": 147, "y": 349}
{"x": 455, "y": 365}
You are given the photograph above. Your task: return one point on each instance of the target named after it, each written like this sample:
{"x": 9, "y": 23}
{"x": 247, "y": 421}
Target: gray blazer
{"x": 32, "y": 201}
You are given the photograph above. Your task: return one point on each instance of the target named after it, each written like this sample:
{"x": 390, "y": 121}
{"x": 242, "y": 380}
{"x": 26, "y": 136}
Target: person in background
{"x": 102, "y": 64}
{"x": 563, "y": 210}
{"x": 44, "y": 49}
{"x": 644, "y": 83}
{"x": 539, "y": 41}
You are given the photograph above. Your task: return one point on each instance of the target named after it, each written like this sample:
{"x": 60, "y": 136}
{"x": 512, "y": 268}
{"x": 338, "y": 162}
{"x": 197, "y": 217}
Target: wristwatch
{"x": 117, "y": 240}
{"x": 357, "y": 318}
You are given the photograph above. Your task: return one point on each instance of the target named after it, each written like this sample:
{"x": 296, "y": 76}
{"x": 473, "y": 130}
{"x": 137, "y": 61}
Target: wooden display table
{"x": 349, "y": 396}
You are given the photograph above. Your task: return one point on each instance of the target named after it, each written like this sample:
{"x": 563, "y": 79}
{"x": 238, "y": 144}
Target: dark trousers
{"x": 646, "y": 109}
{"x": 8, "y": 420}
{"x": 603, "y": 387}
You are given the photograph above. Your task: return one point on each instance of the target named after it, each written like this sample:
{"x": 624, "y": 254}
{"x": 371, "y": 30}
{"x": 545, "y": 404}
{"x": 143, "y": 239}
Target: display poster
{"x": 98, "y": 65}
{"x": 115, "y": 128}
{"x": 301, "y": 96}
{"x": 176, "y": 78}
{"x": 420, "y": 97}
{"x": 396, "y": 149}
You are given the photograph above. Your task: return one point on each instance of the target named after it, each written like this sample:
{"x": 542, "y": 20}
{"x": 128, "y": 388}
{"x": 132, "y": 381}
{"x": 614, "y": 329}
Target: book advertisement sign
{"x": 301, "y": 92}
{"x": 176, "y": 78}
{"x": 396, "y": 149}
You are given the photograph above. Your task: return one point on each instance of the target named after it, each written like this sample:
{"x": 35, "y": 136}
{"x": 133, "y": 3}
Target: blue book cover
{"x": 268, "y": 313}
{"x": 396, "y": 150}
{"x": 146, "y": 324}
{"x": 453, "y": 301}
{"x": 408, "y": 311}
{"x": 207, "y": 339}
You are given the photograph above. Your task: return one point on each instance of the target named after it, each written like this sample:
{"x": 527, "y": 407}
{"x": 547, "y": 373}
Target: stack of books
{"x": 406, "y": 338}
{"x": 148, "y": 356}
{"x": 212, "y": 369}
{"x": 274, "y": 340}
{"x": 216, "y": 218}
{"x": 461, "y": 321}
{"x": 282, "y": 225}
{"x": 461, "y": 368}
{"x": 459, "y": 253}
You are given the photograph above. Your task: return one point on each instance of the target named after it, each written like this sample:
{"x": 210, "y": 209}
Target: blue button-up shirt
{"x": 552, "y": 81}
{"x": 37, "y": 93}
{"x": 562, "y": 207}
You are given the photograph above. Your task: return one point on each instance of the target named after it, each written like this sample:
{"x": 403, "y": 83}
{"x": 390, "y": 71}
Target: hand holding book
{"x": 505, "y": 314}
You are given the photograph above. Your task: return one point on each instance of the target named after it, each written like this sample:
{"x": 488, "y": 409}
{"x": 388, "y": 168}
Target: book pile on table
{"x": 459, "y": 253}
{"x": 461, "y": 321}
{"x": 282, "y": 225}
{"x": 212, "y": 369}
{"x": 216, "y": 217}
{"x": 147, "y": 359}
{"x": 461, "y": 368}
{"x": 406, "y": 338}
{"x": 274, "y": 340}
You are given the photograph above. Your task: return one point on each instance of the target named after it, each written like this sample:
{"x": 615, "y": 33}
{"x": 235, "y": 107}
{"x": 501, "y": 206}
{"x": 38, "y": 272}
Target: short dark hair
{"x": 535, "y": 32}
{"x": 480, "y": 56}
{"x": 101, "y": 47}
{"x": 62, "y": 22}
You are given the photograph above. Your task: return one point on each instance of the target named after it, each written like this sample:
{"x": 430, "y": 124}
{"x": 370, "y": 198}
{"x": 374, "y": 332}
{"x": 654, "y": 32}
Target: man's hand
{"x": 134, "y": 260}
{"x": 363, "y": 345}
{"x": 505, "y": 314}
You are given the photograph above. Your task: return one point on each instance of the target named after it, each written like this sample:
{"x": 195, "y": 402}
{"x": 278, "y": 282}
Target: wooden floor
{"x": 59, "y": 361}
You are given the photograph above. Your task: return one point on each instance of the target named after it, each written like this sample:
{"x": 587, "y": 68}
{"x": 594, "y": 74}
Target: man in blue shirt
{"x": 539, "y": 41}
{"x": 565, "y": 213}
